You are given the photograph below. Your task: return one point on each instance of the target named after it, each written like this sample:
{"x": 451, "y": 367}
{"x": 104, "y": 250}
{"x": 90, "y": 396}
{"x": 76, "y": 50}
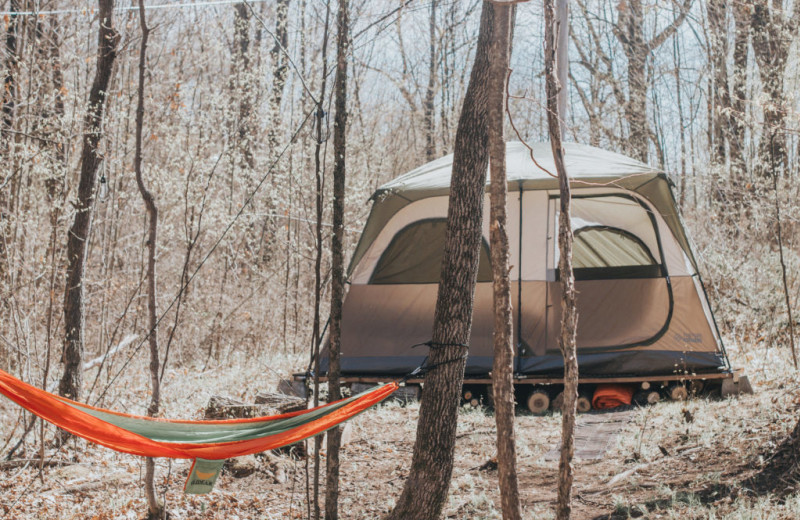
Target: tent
{"x": 642, "y": 308}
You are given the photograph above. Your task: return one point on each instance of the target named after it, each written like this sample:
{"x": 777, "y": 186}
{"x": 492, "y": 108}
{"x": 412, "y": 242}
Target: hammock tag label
{"x": 203, "y": 476}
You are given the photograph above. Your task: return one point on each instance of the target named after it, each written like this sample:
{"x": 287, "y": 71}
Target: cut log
{"x": 267, "y": 403}
{"x": 696, "y": 386}
{"x": 279, "y": 402}
{"x": 584, "y": 404}
{"x": 737, "y": 385}
{"x": 295, "y": 388}
{"x": 558, "y": 402}
{"x": 646, "y": 385}
{"x": 644, "y": 397}
{"x": 678, "y": 392}
{"x": 538, "y": 401}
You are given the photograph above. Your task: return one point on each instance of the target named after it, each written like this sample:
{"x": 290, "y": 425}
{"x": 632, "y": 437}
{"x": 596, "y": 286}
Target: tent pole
{"x": 519, "y": 286}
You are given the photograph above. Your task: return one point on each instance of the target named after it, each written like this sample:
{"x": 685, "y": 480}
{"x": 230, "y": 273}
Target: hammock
{"x": 209, "y": 443}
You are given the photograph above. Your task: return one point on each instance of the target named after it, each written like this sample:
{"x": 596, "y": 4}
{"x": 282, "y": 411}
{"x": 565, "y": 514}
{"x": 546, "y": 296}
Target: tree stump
{"x": 678, "y": 393}
{"x": 584, "y": 404}
{"x": 538, "y": 401}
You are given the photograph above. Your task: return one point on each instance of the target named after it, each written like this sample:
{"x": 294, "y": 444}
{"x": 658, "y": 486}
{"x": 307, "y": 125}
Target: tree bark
{"x": 337, "y": 255}
{"x": 430, "y": 92}
{"x": 503, "y": 368}
{"x": 425, "y": 492}
{"x": 320, "y": 190}
{"x": 772, "y": 37}
{"x": 280, "y": 70}
{"x": 736, "y": 142}
{"x": 569, "y": 314}
{"x": 243, "y": 90}
{"x": 630, "y": 34}
{"x": 718, "y": 34}
{"x": 78, "y": 237}
{"x": 155, "y": 508}
{"x": 9, "y": 96}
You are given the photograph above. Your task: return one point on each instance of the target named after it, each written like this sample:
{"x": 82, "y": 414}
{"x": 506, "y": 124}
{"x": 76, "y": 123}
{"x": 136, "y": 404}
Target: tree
{"x": 503, "y": 368}
{"x": 337, "y": 255}
{"x": 569, "y": 314}
{"x": 425, "y": 492}
{"x": 430, "y": 92}
{"x": 8, "y": 99}
{"x": 630, "y": 33}
{"x": 78, "y": 237}
{"x": 773, "y": 32}
{"x": 155, "y": 508}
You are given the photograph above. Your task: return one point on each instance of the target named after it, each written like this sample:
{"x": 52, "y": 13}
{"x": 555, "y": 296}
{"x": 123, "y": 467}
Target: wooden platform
{"x": 716, "y": 376}
{"x": 595, "y": 433}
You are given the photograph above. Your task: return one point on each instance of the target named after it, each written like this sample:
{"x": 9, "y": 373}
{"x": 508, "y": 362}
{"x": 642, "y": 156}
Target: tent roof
{"x": 583, "y": 163}
{"x": 586, "y": 166}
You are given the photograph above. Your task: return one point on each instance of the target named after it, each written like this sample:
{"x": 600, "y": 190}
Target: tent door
{"x": 624, "y": 294}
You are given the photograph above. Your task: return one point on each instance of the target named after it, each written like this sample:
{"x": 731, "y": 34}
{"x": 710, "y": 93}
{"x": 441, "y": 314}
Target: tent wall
{"x": 651, "y": 318}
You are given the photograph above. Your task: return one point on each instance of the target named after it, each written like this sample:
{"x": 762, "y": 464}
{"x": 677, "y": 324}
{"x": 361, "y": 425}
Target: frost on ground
{"x": 663, "y": 466}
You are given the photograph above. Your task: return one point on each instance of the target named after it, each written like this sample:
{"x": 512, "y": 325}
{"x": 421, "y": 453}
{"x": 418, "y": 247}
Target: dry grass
{"x": 708, "y": 472}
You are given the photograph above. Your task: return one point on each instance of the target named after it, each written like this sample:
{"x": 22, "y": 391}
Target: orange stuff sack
{"x": 611, "y": 395}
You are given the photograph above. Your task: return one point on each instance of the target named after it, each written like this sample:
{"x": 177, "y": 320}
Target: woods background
{"x": 704, "y": 89}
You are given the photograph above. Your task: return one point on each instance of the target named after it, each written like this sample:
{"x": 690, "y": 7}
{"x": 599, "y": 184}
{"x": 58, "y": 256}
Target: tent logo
{"x": 688, "y": 337}
{"x": 205, "y": 476}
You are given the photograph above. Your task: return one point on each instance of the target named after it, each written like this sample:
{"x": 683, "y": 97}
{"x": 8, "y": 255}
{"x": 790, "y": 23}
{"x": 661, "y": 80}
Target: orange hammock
{"x": 209, "y": 442}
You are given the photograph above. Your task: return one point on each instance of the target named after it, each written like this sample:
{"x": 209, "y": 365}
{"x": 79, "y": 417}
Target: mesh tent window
{"x": 414, "y": 256}
{"x": 603, "y": 252}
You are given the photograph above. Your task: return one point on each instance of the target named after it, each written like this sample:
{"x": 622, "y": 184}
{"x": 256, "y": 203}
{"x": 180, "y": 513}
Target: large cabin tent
{"x": 642, "y": 309}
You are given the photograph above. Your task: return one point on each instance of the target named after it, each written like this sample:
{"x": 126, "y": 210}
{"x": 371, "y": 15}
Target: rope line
{"x": 437, "y": 344}
{"x": 92, "y": 11}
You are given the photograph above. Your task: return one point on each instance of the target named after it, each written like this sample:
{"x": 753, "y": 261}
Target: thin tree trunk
{"x": 772, "y": 36}
{"x": 430, "y": 92}
{"x": 8, "y": 97}
{"x": 681, "y": 124}
{"x": 244, "y": 130}
{"x": 562, "y": 60}
{"x": 337, "y": 255}
{"x": 320, "y": 188}
{"x": 78, "y": 237}
{"x": 738, "y": 102}
{"x": 718, "y": 36}
{"x": 503, "y": 368}
{"x": 569, "y": 314}
{"x": 155, "y": 508}
{"x": 428, "y": 482}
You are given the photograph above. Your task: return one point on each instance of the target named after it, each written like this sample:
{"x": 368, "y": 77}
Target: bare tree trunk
{"x": 503, "y": 368}
{"x": 430, "y": 92}
{"x": 569, "y": 314}
{"x": 78, "y": 238}
{"x": 562, "y": 59}
{"x": 681, "y": 125}
{"x": 320, "y": 189}
{"x": 630, "y": 33}
{"x": 8, "y": 97}
{"x": 337, "y": 255}
{"x": 773, "y": 33}
{"x": 718, "y": 34}
{"x": 155, "y": 508}
{"x": 738, "y": 102}
{"x": 426, "y": 489}
{"x": 244, "y": 130}
{"x": 279, "y": 72}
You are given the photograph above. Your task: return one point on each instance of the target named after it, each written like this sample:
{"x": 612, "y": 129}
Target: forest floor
{"x": 726, "y": 463}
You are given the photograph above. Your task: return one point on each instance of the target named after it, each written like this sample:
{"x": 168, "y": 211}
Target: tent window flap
{"x": 414, "y": 256}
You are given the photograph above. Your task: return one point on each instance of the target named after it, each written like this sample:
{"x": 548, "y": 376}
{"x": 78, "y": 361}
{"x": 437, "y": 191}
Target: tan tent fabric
{"x": 641, "y": 306}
